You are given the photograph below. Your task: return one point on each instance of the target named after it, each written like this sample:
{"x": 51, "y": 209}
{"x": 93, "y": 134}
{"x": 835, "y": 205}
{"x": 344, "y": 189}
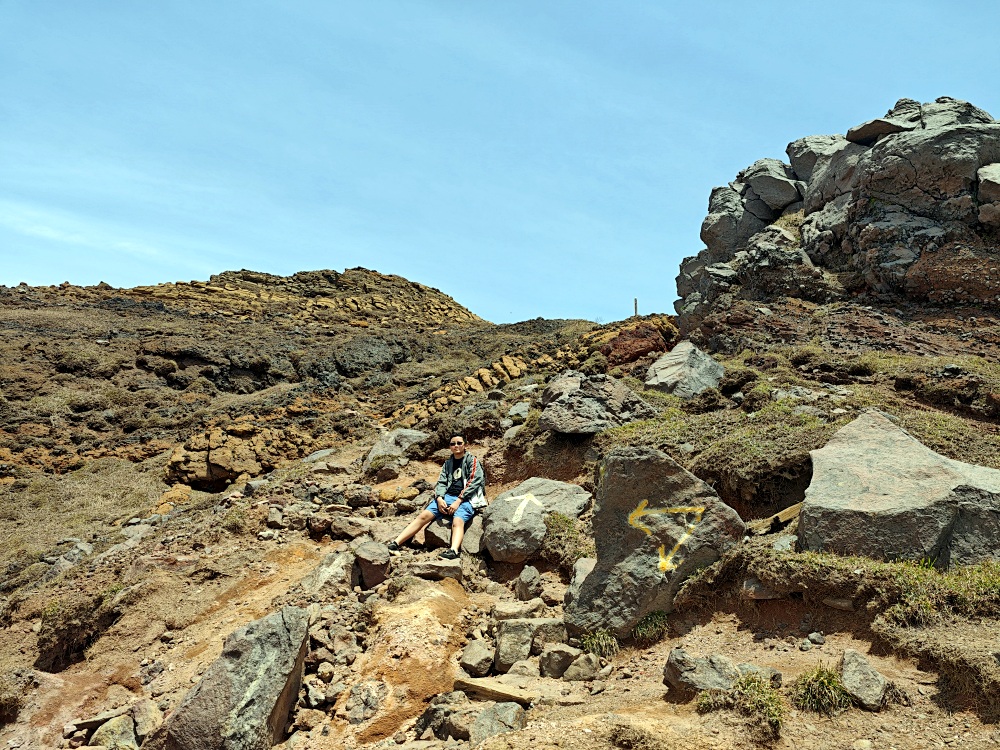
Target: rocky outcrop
{"x": 877, "y": 492}
{"x": 245, "y": 697}
{"x": 657, "y": 525}
{"x": 902, "y": 205}
{"x": 579, "y": 404}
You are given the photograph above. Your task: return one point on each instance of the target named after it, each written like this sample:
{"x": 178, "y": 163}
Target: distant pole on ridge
{"x": 635, "y": 305}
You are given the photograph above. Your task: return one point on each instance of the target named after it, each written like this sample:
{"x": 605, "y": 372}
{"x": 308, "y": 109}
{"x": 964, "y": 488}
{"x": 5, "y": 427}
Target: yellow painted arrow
{"x": 667, "y": 561}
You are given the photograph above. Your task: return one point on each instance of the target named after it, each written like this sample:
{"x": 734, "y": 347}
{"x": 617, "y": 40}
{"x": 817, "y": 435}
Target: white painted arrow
{"x": 525, "y": 499}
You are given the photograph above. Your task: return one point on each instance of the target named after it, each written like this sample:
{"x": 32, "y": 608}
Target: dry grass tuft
{"x": 631, "y": 737}
{"x": 753, "y": 698}
{"x": 821, "y": 691}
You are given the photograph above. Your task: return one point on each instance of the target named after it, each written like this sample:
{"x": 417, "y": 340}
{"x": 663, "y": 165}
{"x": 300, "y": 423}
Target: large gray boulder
{"x": 805, "y": 152}
{"x": 931, "y": 173}
{"x": 656, "y": 525}
{"x": 903, "y": 117}
{"x": 578, "y": 404}
{"x": 900, "y": 206}
{"x": 243, "y": 700}
{"x": 684, "y": 371}
{"x": 514, "y": 523}
{"x": 834, "y": 173}
{"x": 878, "y": 492}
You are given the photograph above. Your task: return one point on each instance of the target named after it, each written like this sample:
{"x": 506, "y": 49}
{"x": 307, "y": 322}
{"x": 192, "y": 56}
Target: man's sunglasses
{"x": 455, "y": 443}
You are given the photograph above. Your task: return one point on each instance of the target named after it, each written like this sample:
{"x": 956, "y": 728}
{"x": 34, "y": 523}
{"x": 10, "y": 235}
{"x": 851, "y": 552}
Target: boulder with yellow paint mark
{"x": 658, "y": 524}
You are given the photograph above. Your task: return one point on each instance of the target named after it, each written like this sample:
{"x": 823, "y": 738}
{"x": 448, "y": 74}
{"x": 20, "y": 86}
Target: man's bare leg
{"x": 457, "y": 533}
{"x": 416, "y": 525}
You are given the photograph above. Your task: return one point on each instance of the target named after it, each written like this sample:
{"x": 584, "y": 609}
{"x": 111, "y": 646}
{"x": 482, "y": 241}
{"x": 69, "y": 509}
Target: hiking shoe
{"x": 449, "y": 554}
{"x": 393, "y": 547}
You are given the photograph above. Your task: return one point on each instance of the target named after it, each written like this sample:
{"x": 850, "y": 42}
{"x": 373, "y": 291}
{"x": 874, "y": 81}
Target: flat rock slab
{"x": 658, "y": 524}
{"x": 490, "y": 689}
{"x": 878, "y": 492}
{"x": 436, "y": 570}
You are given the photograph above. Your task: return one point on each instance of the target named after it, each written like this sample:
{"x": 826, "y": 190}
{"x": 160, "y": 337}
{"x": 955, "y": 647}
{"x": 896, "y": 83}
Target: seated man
{"x": 458, "y": 493}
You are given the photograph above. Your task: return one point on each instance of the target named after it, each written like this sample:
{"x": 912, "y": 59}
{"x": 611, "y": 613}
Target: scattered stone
{"x": 489, "y": 688}
{"x": 818, "y": 638}
{"x": 528, "y": 584}
{"x": 147, "y": 717}
{"x": 308, "y": 719}
{"x": 862, "y": 680}
{"x": 438, "y": 569}
{"x": 390, "y": 449}
{"x": 578, "y": 404}
{"x": 335, "y": 569}
{"x": 477, "y": 658}
{"x": 372, "y": 559}
{"x": 275, "y": 520}
{"x": 685, "y": 371}
{"x": 517, "y": 610}
{"x": 102, "y": 718}
{"x": 497, "y": 719}
{"x": 584, "y": 667}
{"x": 117, "y": 734}
{"x": 364, "y": 700}
{"x": 684, "y": 671}
{"x": 524, "y": 668}
{"x": 556, "y": 658}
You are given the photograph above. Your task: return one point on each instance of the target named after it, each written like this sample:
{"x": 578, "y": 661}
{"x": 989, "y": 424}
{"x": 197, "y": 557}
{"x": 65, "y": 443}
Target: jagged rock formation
{"x": 904, "y": 205}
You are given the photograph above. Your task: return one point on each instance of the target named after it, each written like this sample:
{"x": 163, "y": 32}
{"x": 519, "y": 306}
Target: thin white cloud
{"x": 67, "y": 229}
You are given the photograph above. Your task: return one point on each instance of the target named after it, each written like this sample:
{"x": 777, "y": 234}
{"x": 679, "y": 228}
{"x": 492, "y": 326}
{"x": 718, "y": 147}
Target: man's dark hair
{"x": 456, "y": 436}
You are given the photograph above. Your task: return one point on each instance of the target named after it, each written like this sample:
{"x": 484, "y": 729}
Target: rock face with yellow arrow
{"x": 655, "y": 524}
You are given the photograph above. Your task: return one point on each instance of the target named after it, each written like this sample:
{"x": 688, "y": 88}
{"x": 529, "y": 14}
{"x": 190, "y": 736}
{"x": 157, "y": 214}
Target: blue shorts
{"x": 465, "y": 511}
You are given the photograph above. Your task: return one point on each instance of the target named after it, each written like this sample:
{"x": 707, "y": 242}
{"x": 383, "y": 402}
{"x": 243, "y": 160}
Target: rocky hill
{"x": 781, "y": 531}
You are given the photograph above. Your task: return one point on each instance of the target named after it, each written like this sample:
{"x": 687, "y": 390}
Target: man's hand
{"x": 443, "y": 507}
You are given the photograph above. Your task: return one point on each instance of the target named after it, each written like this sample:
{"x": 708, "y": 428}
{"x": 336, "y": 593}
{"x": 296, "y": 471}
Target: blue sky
{"x": 527, "y": 158}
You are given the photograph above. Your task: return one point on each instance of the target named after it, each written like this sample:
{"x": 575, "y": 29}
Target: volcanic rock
{"x": 878, "y": 492}
{"x": 658, "y": 524}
